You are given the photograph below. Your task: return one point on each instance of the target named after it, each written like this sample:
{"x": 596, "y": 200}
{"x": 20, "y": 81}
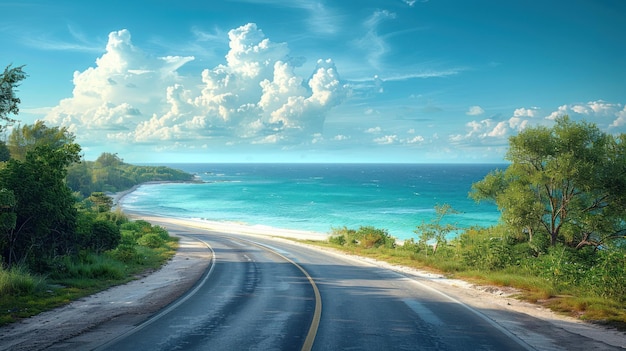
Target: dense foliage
{"x": 110, "y": 174}
{"x": 9, "y": 102}
{"x": 565, "y": 185}
{"x": 41, "y": 219}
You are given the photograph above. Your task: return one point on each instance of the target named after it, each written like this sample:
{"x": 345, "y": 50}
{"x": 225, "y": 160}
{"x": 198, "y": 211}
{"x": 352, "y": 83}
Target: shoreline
{"x": 213, "y": 225}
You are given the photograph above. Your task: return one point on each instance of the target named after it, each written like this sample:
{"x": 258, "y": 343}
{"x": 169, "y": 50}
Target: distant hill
{"x": 110, "y": 174}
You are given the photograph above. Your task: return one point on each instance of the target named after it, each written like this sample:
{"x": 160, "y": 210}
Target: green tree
{"x": 101, "y": 202}
{"x": 435, "y": 229}
{"x": 26, "y": 138}
{"x": 565, "y": 184}
{"x": 45, "y": 211}
{"x": 9, "y": 81}
{"x": 107, "y": 159}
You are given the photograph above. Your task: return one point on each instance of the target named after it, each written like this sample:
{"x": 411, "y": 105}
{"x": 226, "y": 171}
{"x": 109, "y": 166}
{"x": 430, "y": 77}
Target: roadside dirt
{"x": 89, "y": 322}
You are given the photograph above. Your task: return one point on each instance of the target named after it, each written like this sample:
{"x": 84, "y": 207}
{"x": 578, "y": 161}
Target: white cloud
{"x": 415, "y": 140}
{"x": 254, "y": 97}
{"x": 500, "y": 130}
{"x": 340, "y": 137}
{"x": 481, "y": 132}
{"x": 526, "y": 112}
{"x": 475, "y": 111}
{"x": 521, "y": 117}
{"x": 621, "y": 119}
{"x": 386, "y": 140}
{"x": 372, "y": 43}
{"x": 604, "y": 114}
{"x": 373, "y": 130}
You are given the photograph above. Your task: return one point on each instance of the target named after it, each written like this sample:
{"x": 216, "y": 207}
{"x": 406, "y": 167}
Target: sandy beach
{"x": 217, "y": 226}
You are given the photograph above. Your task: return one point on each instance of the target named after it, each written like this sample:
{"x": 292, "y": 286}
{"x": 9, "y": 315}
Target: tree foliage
{"x": 112, "y": 174}
{"x": 28, "y": 137}
{"x": 44, "y": 209}
{"x": 565, "y": 184}
{"x": 9, "y": 102}
{"x": 435, "y": 229}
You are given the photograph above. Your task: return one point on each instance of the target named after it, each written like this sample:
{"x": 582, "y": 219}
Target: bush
{"x": 151, "y": 240}
{"x": 606, "y": 278}
{"x": 18, "y": 281}
{"x": 366, "y": 237}
{"x": 106, "y": 236}
{"x": 124, "y": 253}
{"x": 337, "y": 239}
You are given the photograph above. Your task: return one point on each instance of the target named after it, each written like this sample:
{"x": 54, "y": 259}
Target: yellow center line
{"x": 317, "y": 314}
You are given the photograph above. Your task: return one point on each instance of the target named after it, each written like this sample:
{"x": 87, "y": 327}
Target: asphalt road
{"x": 261, "y": 294}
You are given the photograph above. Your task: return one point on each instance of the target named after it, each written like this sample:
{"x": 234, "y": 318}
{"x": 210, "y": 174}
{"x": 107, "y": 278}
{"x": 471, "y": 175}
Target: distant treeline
{"x": 110, "y": 174}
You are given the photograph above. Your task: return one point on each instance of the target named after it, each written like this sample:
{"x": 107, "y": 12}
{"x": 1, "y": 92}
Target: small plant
{"x": 151, "y": 240}
{"x": 18, "y": 281}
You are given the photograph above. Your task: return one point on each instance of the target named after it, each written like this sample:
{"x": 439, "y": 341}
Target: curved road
{"x": 263, "y": 294}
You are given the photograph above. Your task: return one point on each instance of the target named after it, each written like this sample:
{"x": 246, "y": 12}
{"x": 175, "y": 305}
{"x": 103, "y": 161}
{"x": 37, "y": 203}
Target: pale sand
{"x": 218, "y": 226}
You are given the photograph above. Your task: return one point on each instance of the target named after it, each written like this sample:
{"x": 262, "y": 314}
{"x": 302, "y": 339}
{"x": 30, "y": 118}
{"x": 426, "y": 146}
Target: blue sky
{"x": 314, "y": 81}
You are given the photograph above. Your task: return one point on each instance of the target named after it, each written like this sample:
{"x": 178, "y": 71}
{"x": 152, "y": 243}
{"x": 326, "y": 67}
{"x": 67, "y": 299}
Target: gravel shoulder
{"x": 91, "y": 321}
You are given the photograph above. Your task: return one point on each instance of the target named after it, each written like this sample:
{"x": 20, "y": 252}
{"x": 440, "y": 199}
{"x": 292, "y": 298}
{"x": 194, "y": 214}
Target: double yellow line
{"x": 317, "y": 314}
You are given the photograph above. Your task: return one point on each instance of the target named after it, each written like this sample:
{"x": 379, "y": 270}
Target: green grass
{"x": 23, "y": 294}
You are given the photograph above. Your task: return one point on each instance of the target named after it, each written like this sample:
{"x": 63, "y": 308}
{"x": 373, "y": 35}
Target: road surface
{"x": 262, "y": 294}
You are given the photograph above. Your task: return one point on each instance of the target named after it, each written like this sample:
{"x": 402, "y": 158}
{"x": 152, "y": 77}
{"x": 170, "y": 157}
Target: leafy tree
{"x": 45, "y": 211}
{"x": 106, "y": 235}
{"x": 107, "y": 159}
{"x": 435, "y": 230}
{"x": 9, "y": 81}
{"x": 101, "y": 202}
{"x": 26, "y": 138}
{"x": 565, "y": 184}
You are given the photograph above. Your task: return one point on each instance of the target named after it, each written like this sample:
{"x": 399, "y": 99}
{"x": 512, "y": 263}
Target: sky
{"x": 403, "y": 81}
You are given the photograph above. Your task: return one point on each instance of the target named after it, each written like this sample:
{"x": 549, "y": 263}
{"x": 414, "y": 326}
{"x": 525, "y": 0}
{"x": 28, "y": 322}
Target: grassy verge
{"x": 576, "y": 300}
{"x": 144, "y": 248}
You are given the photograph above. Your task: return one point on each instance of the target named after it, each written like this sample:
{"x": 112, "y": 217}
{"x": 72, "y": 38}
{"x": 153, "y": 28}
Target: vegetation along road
{"x": 264, "y": 294}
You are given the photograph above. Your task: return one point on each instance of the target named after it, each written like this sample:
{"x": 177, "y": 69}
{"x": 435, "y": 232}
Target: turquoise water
{"x": 318, "y": 197}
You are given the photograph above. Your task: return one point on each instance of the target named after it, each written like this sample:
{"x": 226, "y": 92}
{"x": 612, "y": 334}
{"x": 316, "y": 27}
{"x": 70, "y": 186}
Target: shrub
{"x": 151, "y": 240}
{"x": 366, "y": 237}
{"x": 18, "y": 281}
{"x": 337, "y": 240}
{"x": 106, "y": 235}
{"x": 124, "y": 253}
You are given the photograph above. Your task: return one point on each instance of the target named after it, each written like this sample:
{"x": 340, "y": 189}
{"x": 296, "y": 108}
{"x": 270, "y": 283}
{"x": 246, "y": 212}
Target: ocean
{"x": 319, "y": 197}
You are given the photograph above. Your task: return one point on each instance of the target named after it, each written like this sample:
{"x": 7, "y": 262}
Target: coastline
{"x": 214, "y": 226}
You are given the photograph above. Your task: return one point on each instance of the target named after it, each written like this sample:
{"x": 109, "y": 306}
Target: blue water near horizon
{"x": 319, "y": 197}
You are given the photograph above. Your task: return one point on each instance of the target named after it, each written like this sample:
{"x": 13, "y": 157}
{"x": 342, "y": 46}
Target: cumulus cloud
{"x": 604, "y": 114}
{"x": 475, "y": 111}
{"x": 484, "y": 131}
{"x": 386, "y": 140}
{"x": 526, "y": 112}
{"x": 621, "y": 119}
{"x": 253, "y": 97}
{"x": 415, "y": 140}
{"x": 608, "y": 116}
{"x": 373, "y": 130}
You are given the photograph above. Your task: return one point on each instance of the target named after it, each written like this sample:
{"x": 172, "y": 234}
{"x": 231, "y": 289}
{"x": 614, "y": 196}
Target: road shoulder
{"x": 91, "y": 321}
